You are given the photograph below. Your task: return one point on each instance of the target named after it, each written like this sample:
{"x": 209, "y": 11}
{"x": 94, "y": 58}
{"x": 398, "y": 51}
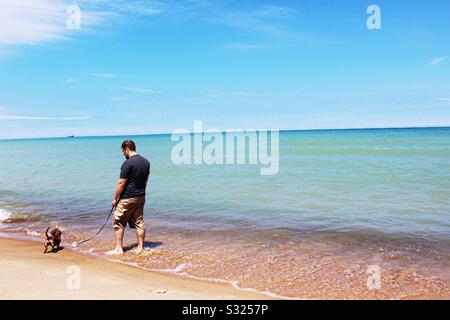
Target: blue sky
{"x": 138, "y": 67}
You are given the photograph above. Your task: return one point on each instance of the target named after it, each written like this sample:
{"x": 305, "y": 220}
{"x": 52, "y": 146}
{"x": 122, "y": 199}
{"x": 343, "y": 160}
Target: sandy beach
{"x": 27, "y": 273}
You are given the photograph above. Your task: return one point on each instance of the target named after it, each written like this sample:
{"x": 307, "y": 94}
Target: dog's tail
{"x": 46, "y": 233}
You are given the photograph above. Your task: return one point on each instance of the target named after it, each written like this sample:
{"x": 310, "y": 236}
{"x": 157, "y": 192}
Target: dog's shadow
{"x": 57, "y": 250}
{"x": 147, "y": 244}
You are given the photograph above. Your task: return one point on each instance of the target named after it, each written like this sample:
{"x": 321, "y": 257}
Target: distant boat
{"x": 72, "y": 136}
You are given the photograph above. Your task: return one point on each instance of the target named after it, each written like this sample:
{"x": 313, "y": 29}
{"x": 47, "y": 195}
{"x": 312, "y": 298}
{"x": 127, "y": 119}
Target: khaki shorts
{"x": 130, "y": 211}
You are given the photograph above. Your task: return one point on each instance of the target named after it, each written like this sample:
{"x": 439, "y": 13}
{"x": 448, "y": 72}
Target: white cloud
{"x": 133, "y": 7}
{"x": 221, "y": 93}
{"x": 141, "y": 8}
{"x": 141, "y": 90}
{"x": 104, "y": 75}
{"x": 240, "y": 93}
{"x": 25, "y": 22}
{"x": 30, "y": 22}
{"x": 438, "y": 60}
{"x": 243, "y": 46}
{"x": 70, "y": 81}
{"x": 271, "y": 20}
{"x": 6, "y": 117}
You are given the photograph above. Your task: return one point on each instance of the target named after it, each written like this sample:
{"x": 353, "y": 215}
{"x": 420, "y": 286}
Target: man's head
{"x": 128, "y": 148}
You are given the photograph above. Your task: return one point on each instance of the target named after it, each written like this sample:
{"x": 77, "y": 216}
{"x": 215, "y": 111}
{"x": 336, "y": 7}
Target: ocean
{"x": 342, "y": 200}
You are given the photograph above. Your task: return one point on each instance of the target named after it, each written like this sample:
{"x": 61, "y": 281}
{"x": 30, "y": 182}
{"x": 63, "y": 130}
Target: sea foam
{"x": 4, "y": 214}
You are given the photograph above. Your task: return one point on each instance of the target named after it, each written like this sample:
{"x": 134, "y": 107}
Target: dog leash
{"x": 76, "y": 244}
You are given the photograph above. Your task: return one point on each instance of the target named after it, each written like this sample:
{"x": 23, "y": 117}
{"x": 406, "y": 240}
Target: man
{"x": 131, "y": 190}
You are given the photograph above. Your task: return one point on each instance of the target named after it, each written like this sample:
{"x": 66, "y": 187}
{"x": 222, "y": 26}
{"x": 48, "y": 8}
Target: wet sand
{"x": 274, "y": 264}
{"x": 27, "y": 273}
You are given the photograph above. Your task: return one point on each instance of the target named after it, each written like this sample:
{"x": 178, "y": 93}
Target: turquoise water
{"x": 394, "y": 181}
{"x": 366, "y": 191}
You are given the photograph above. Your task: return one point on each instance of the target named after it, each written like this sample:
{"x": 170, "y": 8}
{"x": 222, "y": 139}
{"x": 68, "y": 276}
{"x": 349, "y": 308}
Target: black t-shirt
{"x": 136, "y": 169}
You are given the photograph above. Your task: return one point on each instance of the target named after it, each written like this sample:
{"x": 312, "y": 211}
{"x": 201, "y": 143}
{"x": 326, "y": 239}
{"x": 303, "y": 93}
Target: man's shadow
{"x": 147, "y": 244}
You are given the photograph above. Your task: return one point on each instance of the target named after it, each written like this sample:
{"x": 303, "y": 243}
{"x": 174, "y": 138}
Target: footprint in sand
{"x": 160, "y": 291}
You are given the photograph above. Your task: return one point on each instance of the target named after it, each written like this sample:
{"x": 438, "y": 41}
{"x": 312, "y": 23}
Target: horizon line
{"x": 256, "y": 130}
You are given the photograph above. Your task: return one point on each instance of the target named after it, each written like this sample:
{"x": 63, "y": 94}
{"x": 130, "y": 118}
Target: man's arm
{"x": 119, "y": 188}
{"x": 148, "y": 177}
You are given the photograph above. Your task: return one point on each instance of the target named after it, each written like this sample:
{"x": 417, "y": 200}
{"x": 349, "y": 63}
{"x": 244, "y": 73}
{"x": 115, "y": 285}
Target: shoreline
{"x": 27, "y": 273}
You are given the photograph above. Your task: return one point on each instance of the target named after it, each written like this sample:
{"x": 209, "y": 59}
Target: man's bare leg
{"x": 140, "y": 233}
{"x": 119, "y": 242}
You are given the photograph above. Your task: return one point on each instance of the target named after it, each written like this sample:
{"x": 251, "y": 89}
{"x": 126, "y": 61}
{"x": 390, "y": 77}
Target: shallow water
{"x": 343, "y": 200}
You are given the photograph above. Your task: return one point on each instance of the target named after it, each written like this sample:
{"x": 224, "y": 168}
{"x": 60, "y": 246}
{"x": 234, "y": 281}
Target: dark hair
{"x": 129, "y": 144}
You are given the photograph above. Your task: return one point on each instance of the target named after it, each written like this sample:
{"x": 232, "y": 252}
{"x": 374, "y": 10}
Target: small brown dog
{"x": 53, "y": 241}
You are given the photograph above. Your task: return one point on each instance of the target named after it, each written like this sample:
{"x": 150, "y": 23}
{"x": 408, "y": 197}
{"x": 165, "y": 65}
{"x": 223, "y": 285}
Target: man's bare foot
{"x": 115, "y": 252}
{"x": 137, "y": 250}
